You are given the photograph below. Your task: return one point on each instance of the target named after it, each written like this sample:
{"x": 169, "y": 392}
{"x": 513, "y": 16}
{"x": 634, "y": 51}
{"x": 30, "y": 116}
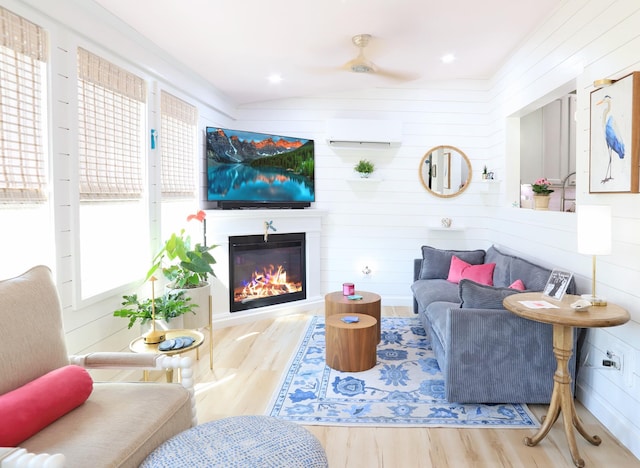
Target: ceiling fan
{"x": 361, "y": 64}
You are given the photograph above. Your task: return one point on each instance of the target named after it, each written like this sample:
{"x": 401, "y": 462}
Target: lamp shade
{"x": 594, "y": 229}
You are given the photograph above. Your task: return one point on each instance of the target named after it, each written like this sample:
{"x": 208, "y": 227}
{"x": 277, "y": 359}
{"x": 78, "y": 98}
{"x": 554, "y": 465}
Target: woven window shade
{"x": 23, "y": 52}
{"x": 178, "y": 141}
{"x": 110, "y": 112}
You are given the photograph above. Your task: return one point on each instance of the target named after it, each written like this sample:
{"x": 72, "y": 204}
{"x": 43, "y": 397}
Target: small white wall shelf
{"x": 365, "y": 179}
{"x": 489, "y": 185}
{"x": 442, "y": 228}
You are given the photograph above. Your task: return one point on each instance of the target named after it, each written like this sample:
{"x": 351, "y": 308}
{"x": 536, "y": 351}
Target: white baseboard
{"x": 627, "y": 435}
{"x": 279, "y": 310}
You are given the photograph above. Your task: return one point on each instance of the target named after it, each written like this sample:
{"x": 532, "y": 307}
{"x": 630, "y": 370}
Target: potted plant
{"x": 184, "y": 266}
{"x": 364, "y": 168}
{"x": 541, "y": 192}
{"x": 187, "y": 266}
{"x": 169, "y": 306}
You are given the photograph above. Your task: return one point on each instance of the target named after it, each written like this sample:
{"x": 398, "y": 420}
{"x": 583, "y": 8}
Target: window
{"x": 111, "y": 105}
{"x": 178, "y": 138}
{"x": 22, "y": 158}
{"x": 178, "y": 142}
{"x": 113, "y": 215}
{"x": 24, "y": 209}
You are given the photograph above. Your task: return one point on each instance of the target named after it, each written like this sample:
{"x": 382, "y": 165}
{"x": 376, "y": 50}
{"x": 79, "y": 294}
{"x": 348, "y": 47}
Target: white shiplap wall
{"x": 383, "y": 224}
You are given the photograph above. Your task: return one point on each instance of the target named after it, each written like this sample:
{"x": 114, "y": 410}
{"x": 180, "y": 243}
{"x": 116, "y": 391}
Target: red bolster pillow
{"x": 29, "y": 409}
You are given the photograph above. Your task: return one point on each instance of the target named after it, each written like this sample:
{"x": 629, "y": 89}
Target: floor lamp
{"x": 594, "y": 238}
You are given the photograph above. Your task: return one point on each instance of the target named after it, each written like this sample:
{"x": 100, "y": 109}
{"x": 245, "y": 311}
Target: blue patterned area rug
{"x": 404, "y": 389}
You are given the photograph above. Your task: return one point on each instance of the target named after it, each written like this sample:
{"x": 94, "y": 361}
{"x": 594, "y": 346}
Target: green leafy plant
{"x": 168, "y": 306}
{"x": 364, "y": 167}
{"x": 184, "y": 266}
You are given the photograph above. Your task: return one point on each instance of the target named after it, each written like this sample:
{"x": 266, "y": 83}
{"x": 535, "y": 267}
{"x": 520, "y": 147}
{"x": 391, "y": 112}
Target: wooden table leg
{"x": 562, "y": 398}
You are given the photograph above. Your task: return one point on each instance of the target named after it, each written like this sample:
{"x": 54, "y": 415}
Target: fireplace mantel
{"x": 224, "y": 223}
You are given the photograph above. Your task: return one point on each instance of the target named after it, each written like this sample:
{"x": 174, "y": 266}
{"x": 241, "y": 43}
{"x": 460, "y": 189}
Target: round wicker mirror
{"x": 445, "y": 171}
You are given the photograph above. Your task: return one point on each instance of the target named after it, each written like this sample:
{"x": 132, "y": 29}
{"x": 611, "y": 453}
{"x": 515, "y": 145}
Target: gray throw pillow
{"x": 436, "y": 262}
{"x": 479, "y": 296}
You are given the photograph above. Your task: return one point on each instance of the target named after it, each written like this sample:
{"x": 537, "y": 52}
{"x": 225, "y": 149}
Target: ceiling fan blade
{"x": 398, "y": 76}
{"x": 360, "y": 64}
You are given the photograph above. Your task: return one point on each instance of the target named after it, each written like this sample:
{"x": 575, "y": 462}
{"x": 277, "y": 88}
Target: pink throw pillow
{"x": 29, "y": 409}
{"x": 517, "y": 284}
{"x": 460, "y": 269}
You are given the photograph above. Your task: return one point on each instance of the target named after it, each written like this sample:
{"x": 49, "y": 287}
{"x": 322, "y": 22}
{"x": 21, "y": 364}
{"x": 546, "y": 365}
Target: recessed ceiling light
{"x": 274, "y": 78}
{"x": 448, "y": 58}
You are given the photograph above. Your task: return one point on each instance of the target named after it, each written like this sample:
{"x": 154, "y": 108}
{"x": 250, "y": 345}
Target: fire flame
{"x": 271, "y": 281}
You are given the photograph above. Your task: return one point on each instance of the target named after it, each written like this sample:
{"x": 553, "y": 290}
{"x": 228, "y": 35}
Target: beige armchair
{"x": 120, "y": 423}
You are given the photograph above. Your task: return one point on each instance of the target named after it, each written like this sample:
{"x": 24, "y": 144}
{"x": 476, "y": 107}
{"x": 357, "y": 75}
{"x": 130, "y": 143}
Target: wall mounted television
{"x": 257, "y": 170}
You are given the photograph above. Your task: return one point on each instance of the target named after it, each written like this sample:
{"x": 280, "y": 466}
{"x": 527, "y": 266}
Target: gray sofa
{"x": 486, "y": 353}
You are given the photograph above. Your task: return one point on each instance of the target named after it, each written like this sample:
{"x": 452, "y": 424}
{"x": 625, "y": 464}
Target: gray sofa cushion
{"x": 533, "y": 276}
{"x": 501, "y": 271}
{"x": 510, "y": 268}
{"x": 479, "y": 296}
{"x": 436, "y": 262}
{"x": 428, "y": 291}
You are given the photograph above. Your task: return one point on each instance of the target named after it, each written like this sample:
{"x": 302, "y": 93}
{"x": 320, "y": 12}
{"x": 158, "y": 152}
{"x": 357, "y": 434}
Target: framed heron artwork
{"x": 615, "y": 136}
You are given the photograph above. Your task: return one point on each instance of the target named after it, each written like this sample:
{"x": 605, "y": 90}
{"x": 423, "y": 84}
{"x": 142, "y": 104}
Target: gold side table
{"x": 139, "y": 346}
{"x": 564, "y": 319}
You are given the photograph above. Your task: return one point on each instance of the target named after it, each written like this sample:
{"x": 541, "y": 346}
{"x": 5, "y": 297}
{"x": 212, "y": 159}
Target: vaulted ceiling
{"x": 236, "y": 45}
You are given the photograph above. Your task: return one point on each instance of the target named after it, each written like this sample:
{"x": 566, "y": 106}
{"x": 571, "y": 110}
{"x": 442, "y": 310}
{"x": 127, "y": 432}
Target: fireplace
{"x": 267, "y": 271}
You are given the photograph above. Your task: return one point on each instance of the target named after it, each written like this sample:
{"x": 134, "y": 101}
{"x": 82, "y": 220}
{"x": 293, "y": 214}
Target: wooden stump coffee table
{"x": 337, "y": 303}
{"x": 351, "y": 347}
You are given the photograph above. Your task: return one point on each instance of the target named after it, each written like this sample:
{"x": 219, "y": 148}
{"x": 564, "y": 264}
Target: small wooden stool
{"x": 351, "y": 347}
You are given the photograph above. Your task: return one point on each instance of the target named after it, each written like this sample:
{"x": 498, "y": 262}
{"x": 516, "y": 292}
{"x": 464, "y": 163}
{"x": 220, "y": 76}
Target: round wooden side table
{"x": 337, "y": 303}
{"x": 564, "y": 319}
{"x": 139, "y": 346}
{"x": 351, "y": 347}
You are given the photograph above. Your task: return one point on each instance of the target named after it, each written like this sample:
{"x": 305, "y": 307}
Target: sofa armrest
{"x": 417, "y": 266}
{"x": 495, "y": 352}
{"x": 142, "y": 361}
{"x": 116, "y": 360}
{"x": 15, "y": 457}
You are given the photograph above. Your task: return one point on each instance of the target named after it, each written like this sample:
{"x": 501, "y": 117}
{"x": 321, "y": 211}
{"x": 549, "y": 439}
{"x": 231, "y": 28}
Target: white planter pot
{"x": 174, "y": 324}
{"x": 200, "y": 297}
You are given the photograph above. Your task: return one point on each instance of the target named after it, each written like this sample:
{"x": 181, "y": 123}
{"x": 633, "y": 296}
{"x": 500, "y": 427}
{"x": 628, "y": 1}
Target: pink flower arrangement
{"x": 541, "y": 186}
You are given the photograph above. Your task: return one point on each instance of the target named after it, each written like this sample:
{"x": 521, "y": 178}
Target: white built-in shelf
{"x": 489, "y": 185}
{"x": 365, "y": 179}
{"x": 442, "y": 228}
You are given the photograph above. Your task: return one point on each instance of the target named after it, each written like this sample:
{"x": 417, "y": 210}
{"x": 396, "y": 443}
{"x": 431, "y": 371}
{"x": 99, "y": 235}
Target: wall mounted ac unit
{"x": 364, "y": 134}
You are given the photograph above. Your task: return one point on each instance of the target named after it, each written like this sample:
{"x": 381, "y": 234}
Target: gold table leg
{"x": 210, "y": 327}
{"x": 562, "y": 399}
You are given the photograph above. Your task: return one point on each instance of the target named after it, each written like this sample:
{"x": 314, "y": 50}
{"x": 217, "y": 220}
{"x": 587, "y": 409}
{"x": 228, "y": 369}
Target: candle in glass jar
{"x": 348, "y": 289}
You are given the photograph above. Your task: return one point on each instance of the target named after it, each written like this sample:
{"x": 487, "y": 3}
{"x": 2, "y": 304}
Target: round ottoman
{"x": 240, "y": 441}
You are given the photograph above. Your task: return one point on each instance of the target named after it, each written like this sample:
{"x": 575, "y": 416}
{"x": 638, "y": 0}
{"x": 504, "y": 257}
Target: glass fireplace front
{"x": 266, "y": 272}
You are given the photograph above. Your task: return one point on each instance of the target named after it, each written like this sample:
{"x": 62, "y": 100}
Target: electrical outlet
{"x": 620, "y": 351}
{"x": 615, "y": 360}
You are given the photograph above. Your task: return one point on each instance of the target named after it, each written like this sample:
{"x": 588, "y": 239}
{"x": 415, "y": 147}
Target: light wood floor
{"x": 249, "y": 361}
